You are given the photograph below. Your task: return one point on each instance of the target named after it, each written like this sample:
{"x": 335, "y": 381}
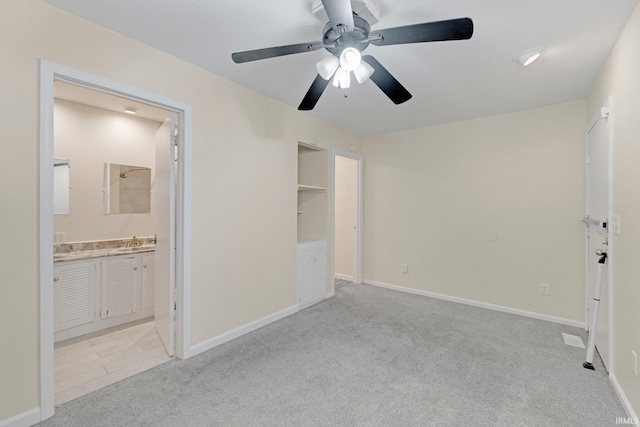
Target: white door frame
{"x": 359, "y": 242}
{"x": 50, "y": 72}
{"x": 606, "y": 111}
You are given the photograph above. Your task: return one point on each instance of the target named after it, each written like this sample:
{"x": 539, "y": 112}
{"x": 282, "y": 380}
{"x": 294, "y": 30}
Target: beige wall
{"x": 244, "y": 181}
{"x": 89, "y": 137}
{"x": 346, "y": 212}
{"x": 437, "y": 197}
{"x": 620, "y": 79}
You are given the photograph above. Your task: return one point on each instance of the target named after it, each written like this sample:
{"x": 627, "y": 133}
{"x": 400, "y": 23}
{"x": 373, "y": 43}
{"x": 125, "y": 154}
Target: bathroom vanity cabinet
{"x": 74, "y": 285}
{"x": 99, "y": 293}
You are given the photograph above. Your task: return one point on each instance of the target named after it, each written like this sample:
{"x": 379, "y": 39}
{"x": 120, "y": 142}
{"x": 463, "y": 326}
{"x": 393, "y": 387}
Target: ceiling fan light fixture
{"x": 350, "y": 58}
{"x": 529, "y": 58}
{"x": 342, "y": 79}
{"x": 328, "y": 66}
{"x": 363, "y": 72}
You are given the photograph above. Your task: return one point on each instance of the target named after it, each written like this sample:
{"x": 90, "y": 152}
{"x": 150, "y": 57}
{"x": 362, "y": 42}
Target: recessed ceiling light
{"x": 529, "y": 57}
{"x": 130, "y": 110}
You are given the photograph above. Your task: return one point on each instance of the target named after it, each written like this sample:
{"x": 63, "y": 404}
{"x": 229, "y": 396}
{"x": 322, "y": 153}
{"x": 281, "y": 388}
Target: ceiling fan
{"x": 345, "y": 36}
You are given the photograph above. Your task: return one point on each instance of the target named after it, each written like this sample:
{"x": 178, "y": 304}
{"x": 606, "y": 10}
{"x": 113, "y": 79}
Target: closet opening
{"x": 347, "y": 218}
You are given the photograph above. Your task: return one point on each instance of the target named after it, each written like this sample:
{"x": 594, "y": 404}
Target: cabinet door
{"x": 74, "y": 294}
{"x": 312, "y": 272}
{"x": 148, "y": 284}
{"x": 119, "y": 286}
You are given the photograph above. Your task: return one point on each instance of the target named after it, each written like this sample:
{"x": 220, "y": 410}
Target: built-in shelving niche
{"x": 313, "y": 221}
{"x": 313, "y": 197}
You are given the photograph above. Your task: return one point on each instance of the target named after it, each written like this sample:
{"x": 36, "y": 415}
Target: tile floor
{"x": 90, "y": 364}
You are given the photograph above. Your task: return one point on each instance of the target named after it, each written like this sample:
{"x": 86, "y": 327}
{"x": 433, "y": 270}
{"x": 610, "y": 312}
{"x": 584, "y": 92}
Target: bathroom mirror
{"x": 127, "y": 189}
{"x": 61, "y": 172}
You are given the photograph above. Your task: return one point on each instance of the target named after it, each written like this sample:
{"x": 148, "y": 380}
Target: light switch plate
{"x": 615, "y": 225}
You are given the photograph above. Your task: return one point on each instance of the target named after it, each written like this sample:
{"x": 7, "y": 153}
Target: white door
{"x": 597, "y": 237}
{"x": 165, "y": 231}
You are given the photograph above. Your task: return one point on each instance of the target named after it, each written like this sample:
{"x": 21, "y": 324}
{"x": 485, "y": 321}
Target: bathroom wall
{"x": 89, "y": 137}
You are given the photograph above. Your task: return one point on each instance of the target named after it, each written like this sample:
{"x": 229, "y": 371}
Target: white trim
{"x": 473, "y": 303}
{"x": 50, "y": 72}
{"x": 343, "y": 277}
{"x": 25, "y": 419}
{"x": 360, "y": 226}
{"x": 242, "y": 330}
{"x": 183, "y": 233}
{"x": 610, "y": 248}
{"x": 47, "y": 403}
{"x": 623, "y": 397}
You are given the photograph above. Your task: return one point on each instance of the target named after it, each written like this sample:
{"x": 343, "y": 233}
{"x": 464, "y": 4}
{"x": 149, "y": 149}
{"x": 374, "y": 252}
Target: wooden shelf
{"x": 310, "y": 188}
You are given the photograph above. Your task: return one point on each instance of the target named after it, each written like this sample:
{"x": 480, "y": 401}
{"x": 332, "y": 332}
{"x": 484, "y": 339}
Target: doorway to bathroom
{"x": 115, "y": 299}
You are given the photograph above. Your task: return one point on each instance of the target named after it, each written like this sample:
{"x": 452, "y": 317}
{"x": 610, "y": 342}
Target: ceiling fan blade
{"x": 453, "y": 29}
{"x": 386, "y": 82}
{"x": 271, "y": 52}
{"x": 339, "y": 13}
{"x": 314, "y": 93}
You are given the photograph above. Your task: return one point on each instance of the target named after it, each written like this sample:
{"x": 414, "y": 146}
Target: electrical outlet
{"x": 403, "y": 268}
{"x": 544, "y": 289}
{"x": 634, "y": 363}
{"x": 60, "y": 235}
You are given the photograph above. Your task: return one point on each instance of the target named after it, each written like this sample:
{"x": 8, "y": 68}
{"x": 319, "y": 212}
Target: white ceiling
{"x": 450, "y": 81}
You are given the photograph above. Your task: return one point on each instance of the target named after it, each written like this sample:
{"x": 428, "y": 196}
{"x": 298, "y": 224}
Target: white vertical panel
{"x": 598, "y": 173}
{"x": 73, "y": 294}
{"x": 305, "y": 287}
{"x": 312, "y": 272}
{"x": 164, "y": 194}
{"x": 320, "y": 271}
{"x": 148, "y": 284}
{"x": 61, "y": 186}
{"x": 119, "y": 285}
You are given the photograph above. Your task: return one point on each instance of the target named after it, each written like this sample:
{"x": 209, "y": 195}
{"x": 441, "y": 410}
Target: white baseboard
{"x": 488, "y": 306}
{"x": 242, "y": 330}
{"x": 24, "y": 419}
{"x": 623, "y": 397}
{"x": 343, "y": 277}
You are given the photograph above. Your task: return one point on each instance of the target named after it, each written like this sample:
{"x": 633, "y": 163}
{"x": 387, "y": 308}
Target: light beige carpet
{"x": 369, "y": 357}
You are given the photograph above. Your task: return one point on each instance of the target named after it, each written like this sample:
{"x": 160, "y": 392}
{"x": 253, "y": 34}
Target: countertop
{"x": 103, "y": 252}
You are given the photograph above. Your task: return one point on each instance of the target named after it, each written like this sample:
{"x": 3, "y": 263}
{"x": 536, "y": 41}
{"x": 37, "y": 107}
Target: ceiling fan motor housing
{"x": 336, "y": 41}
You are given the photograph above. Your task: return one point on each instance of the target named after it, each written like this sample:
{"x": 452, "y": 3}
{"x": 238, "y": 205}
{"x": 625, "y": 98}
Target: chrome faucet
{"x": 135, "y": 241}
